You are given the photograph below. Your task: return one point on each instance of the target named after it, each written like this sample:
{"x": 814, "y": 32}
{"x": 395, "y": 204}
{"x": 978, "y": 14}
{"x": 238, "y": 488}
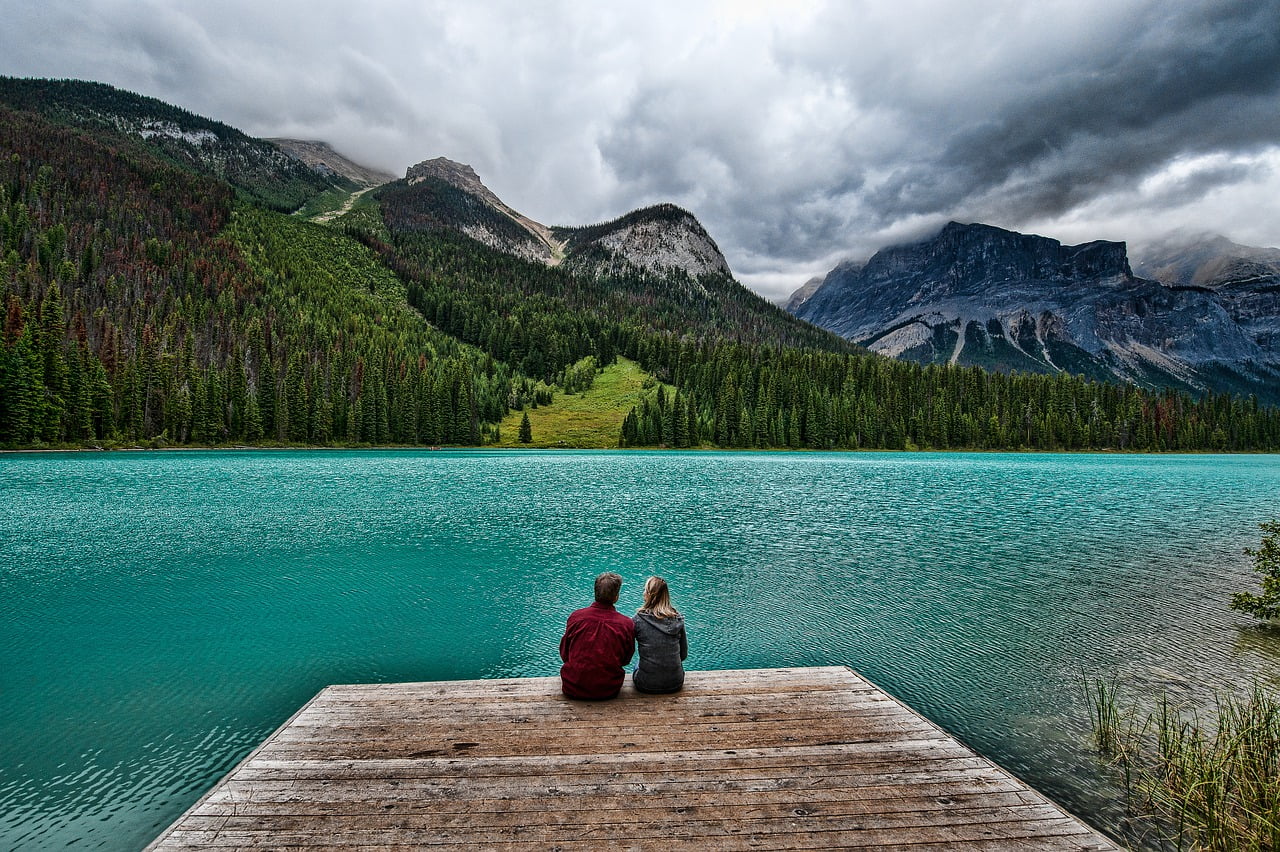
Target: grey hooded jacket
{"x": 662, "y": 645}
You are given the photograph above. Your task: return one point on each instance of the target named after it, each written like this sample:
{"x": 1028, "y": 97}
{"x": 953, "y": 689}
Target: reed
{"x": 1105, "y": 713}
{"x": 1216, "y": 786}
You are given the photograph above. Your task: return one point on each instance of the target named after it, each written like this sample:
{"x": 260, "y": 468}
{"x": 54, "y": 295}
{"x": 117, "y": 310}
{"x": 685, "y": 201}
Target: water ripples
{"x": 165, "y": 611}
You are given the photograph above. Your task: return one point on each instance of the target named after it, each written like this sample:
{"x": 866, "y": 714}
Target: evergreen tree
{"x": 1266, "y": 563}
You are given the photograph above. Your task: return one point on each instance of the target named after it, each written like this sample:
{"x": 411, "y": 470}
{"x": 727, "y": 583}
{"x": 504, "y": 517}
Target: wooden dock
{"x": 756, "y": 759}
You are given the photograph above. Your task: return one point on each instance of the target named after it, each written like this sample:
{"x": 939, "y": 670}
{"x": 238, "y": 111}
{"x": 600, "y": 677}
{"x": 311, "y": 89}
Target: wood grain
{"x": 756, "y": 759}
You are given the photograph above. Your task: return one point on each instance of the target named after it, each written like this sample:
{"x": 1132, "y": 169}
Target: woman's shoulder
{"x": 670, "y": 621}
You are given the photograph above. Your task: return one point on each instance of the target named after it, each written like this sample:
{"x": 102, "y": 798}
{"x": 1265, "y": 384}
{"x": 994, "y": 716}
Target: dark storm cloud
{"x": 1188, "y": 81}
{"x": 798, "y": 132}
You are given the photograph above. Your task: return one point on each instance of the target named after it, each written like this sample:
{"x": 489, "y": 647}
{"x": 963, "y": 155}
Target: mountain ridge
{"x": 321, "y": 157}
{"x": 653, "y": 267}
{"x": 542, "y": 245}
{"x": 654, "y": 240}
{"x": 977, "y": 294}
{"x": 255, "y": 167}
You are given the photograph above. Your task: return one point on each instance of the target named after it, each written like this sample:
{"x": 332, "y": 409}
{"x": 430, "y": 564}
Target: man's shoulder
{"x": 599, "y": 613}
{"x": 580, "y": 614}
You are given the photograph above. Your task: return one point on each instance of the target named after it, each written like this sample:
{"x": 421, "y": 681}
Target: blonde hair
{"x": 657, "y": 599}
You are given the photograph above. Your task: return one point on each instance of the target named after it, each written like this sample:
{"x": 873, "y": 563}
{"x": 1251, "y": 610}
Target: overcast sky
{"x": 799, "y": 133}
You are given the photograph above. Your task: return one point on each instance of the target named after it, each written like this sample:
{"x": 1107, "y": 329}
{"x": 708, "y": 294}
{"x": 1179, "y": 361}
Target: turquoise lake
{"x": 163, "y": 612}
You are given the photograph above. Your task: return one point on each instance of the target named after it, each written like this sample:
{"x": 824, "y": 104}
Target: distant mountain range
{"x": 1207, "y": 318}
{"x": 658, "y": 261}
{"x": 169, "y": 279}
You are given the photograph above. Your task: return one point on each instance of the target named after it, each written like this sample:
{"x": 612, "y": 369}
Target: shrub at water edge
{"x": 1266, "y": 561}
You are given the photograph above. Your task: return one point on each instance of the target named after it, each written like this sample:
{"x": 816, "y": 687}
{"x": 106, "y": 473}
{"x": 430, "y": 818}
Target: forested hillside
{"x": 148, "y": 301}
{"x": 258, "y": 169}
{"x": 139, "y": 307}
{"x": 491, "y": 297}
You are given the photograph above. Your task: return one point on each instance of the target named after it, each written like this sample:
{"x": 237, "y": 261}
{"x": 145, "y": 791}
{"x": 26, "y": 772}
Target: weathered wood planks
{"x": 758, "y": 759}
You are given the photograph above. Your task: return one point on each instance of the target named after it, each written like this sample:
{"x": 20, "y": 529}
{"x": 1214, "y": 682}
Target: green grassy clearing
{"x": 588, "y": 420}
{"x": 326, "y": 202}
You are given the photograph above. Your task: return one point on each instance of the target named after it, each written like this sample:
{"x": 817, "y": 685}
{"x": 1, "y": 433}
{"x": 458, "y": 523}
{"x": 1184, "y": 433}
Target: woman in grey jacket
{"x": 661, "y": 641}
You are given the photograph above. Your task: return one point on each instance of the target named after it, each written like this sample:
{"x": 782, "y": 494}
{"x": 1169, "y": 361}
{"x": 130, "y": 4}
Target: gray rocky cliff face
{"x": 527, "y": 239}
{"x": 660, "y": 247}
{"x": 974, "y": 294}
{"x": 321, "y": 157}
{"x": 663, "y": 240}
{"x": 660, "y": 240}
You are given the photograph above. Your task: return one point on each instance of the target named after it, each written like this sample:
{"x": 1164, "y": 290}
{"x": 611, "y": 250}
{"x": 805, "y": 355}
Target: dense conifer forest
{"x": 152, "y": 302}
{"x": 257, "y": 170}
{"x": 142, "y": 306}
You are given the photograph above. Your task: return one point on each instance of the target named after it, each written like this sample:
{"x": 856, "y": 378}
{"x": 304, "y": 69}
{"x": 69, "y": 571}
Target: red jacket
{"x": 598, "y": 641}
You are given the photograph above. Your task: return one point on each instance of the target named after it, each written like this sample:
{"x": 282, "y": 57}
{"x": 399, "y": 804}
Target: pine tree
{"x": 296, "y": 393}
{"x": 20, "y": 377}
{"x": 56, "y": 374}
{"x": 526, "y": 429}
{"x": 252, "y": 418}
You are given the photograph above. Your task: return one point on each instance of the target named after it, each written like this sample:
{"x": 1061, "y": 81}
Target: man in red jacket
{"x": 598, "y": 641}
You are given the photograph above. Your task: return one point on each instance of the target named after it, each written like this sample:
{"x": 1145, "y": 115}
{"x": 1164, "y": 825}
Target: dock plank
{"x": 756, "y": 759}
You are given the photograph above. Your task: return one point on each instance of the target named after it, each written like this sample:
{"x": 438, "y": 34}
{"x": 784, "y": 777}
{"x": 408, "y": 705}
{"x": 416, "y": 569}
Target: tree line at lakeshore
{"x": 143, "y": 305}
{"x": 739, "y": 396}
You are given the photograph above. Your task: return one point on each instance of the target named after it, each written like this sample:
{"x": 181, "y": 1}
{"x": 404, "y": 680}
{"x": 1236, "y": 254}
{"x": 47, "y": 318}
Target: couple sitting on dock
{"x": 599, "y": 641}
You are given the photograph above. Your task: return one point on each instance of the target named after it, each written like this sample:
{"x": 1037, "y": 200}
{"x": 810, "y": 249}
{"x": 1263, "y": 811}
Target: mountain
{"x": 658, "y": 240}
{"x": 1245, "y": 279}
{"x": 153, "y": 294}
{"x": 320, "y": 157}
{"x": 145, "y": 303}
{"x": 802, "y": 294}
{"x": 979, "y": 295}
{"x": 655, "y": 268}
{"x": 452, "y": 196}
{"x": 258, "y": 169}
{"x": 1208, "y": 260}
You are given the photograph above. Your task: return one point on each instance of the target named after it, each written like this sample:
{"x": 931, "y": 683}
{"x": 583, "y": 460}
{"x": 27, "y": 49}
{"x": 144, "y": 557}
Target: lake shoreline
{"x": 702, "y": 449}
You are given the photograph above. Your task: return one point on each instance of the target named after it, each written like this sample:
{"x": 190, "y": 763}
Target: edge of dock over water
{"x": 746, "y": 759}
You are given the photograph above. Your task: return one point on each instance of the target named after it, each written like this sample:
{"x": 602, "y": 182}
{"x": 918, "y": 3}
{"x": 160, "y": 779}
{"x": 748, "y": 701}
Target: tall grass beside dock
{"x": 1212, "y": 786}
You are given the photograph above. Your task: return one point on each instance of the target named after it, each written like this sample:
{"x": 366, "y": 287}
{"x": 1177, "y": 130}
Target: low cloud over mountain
{"x": 799, "y": 134}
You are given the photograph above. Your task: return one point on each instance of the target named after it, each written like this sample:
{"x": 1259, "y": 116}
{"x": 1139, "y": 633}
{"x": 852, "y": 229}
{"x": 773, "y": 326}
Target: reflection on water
{"x": 164, "y": 612}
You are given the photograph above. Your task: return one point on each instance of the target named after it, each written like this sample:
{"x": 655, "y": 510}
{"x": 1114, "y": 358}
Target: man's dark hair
{"x": 607, "y": 586}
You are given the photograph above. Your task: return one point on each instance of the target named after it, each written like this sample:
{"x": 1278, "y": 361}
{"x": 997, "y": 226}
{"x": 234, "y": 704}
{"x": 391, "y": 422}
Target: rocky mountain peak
{"x": 460, "y": 175}
{"x": 658, "y": 240}
{"x": 533, "y": 241}
{"x": 976, "y": 294}
{"x": 321, "y": 157}
{"x": 987, "y": 253}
